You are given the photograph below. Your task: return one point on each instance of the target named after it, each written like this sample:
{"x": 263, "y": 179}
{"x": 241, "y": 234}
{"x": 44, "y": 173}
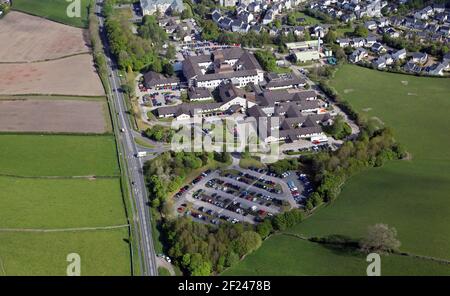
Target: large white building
{"x": 149, "y": 7}
{"x": 228, "y": 65}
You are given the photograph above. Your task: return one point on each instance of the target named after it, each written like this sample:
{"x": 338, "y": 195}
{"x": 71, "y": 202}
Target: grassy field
{"x": 58, "y": 155}
{"x": 410, "y": 195}
{"x": 163, "y": 271}
{"x": 60, "y": 203}
{"x": 102, "y": 252}
{"x": 285, "y": 255}
{"x": 55, "y": 10}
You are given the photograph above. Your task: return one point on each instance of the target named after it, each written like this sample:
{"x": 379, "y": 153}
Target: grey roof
{"x": 247, "y": 63}
{"x": 269, "y": 98}
{"x": 198, "y": 92}
{"x": 152, "y": 79}
{"x": 188, "y": 109}
{"x": 275, "y": 80}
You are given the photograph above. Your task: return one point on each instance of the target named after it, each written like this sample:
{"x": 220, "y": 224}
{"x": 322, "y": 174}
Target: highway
{"x": 138, "y": 191}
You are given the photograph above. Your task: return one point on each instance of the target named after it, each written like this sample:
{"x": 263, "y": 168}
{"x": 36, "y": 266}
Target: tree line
{"x": 139, "y": 51}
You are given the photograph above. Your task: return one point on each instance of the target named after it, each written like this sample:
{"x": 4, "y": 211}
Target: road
{"x": 141, "y": 213}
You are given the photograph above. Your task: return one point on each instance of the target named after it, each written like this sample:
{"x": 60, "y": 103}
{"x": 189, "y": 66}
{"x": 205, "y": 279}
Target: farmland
{"x": 66, "y": 116}
{"x": 26, "y": 43}
{"x": 102, "y": 252}
{"x": 41, "y": 202}
{"x": 410, "y": 195}
{"x": 60, "y": 187}
{"x": 54, "y": 10}
{"x": 293, "y": 256}
{"x": 58, "y": 155}
{"x": 74, "y": 75}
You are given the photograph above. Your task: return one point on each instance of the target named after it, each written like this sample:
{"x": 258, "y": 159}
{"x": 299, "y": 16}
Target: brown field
{"x": 74, "y": 75}
{"x": 60, "y": 116}
{"x": 26, "y": 38}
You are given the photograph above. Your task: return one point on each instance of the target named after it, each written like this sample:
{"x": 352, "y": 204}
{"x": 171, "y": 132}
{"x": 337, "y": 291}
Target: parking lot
{"x": 239, "y": 195}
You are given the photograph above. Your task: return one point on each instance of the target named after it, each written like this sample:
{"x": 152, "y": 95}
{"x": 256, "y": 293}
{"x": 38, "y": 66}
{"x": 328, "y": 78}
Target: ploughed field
{"x": 60, "y": 192}
{"x": 27, "y": 38}
{"x": 54, "y": 116}
{"x": 411, "y": 195}
{"x": 75, "y": 75}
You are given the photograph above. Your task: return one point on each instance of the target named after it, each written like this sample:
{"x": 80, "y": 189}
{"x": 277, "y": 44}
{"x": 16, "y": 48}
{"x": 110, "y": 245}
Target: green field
{"x": 54, "y": 10}
{"x": 410, "y": 195}
{"x": 102, "y": 252}
{"x": 58, "y": 155}
{"x": 60, "y": 203}
{"x": 285, "y": 255}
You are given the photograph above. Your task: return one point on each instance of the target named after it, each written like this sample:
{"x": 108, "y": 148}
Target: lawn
{"x": 60, "y": 203}
{"x": 58, "y": 155}
{"x": 55, "y": 10}
{"x": 248, "y": 162}
{"x": 102, "y": 252}
{"x": 410, "y": 195}
{"x": 293, "y": 256}
{"x": 163, "y": 271}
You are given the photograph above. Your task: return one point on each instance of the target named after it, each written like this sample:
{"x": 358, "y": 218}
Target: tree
{"x": 170, "y": 52}
{"x": 247, "y": 242}
{"x": 361, "y": 31}
{"x": 210, "y": 30}
{"x": 167, "y": 69}
{"x": 380, "y": 238}
{"x": 187, "y": 12}
{"x": 264, "y": 228}
{"x": 267, "y": 60}
{"x": 198, "y": 266}
{"x": 330, "y": 37}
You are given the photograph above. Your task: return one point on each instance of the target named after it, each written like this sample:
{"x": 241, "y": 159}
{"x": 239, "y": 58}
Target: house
{"x": 419, "y": 57}
{"x": 412, "y": 67}
{"x": 149, "y": 7}
{"x": 230, "y": 64}
{"x": 378, "y": 47}
{"x": 227, "y": 3}
{"x": 379, "y": 63}
{"x": 370, "y": 25}
{"x": 216, "y": 16}
{"x": 437, "y": 69}
{"x": 283, "y": 81}
{"x": 438, "y": 8}
{"x": 357, "y": 55}
{"x": 305, "y": 51}
{"x": 268, "y": 17}
{"x": 343, "y": 42}
{"x": 358, "y": 42}
{"x": 370, "y": 41}
{"x": 199, "y": 94}
{"x": 383, "y": 22}
{"x": 399, "y": 55}
{"x": 159, "y": 81}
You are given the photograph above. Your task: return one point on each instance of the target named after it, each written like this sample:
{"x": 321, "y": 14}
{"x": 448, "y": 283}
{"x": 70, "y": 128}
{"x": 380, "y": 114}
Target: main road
{"x": 138, "y": 192}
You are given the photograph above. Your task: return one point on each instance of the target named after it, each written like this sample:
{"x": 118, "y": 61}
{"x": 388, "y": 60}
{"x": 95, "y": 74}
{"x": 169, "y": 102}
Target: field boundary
{"x": 76, "y": 229}
{"x": 59, "y": 177}
{"x": 47, "y": 60}
{"x": 61, "y": 23}
{"x": 106, "y": 134}
{"x": 67, "y": 97}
